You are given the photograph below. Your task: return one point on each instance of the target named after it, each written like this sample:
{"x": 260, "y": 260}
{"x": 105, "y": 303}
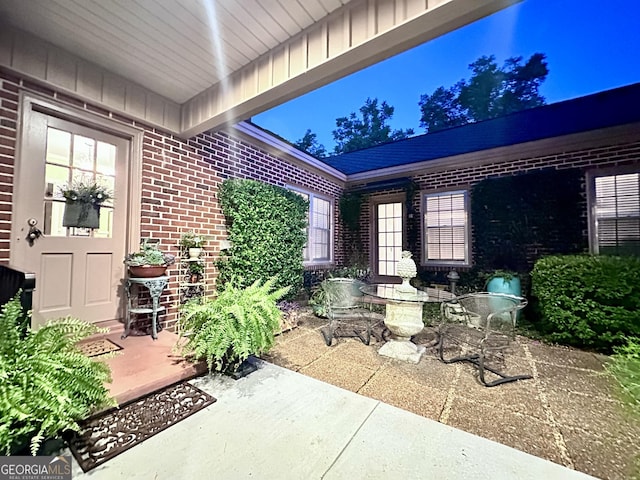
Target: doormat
{"x": 98, "y": 347}
{"x": 106, "y": 435}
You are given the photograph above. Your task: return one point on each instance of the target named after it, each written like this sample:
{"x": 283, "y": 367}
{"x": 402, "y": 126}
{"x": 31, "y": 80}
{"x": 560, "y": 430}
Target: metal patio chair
{"x": 479, "y": 328}
{"x": 347, "y": 312}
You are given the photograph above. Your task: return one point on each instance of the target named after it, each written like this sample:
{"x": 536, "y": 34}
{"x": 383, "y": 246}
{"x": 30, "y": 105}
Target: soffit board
{"x": 260, "y": 53}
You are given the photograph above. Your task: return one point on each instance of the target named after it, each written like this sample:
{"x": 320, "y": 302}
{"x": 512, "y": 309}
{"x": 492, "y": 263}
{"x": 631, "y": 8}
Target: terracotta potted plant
{"x": 149, "y": 261}
{"x": 196, "y": 270}
{"x": 83, "y": 200}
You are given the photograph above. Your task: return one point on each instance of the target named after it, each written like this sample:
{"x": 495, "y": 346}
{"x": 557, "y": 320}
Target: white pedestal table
{"x": 403, "y": 318}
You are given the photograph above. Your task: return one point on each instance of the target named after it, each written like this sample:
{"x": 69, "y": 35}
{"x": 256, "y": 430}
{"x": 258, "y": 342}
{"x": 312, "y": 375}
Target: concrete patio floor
{"x": 312, "y": 411}
{"x": 282, "y": 425}
{"x": 567, "y": 413}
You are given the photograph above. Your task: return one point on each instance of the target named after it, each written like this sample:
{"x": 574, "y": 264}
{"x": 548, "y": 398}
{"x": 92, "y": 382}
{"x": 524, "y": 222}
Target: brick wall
{"x": 465, "y": 177}
{"x": 179, "y": 180}
{"x": 234, "y": 158}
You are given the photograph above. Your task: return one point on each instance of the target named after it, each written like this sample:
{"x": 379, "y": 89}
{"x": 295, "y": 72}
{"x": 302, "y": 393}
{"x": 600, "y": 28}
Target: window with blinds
{"x": 445, "y": 227}
{"x": 617, "y": 214}
{"x": 319, "y": 228}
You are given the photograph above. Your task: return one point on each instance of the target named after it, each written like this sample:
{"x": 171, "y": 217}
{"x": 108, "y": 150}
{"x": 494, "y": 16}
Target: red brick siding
{"x": 587, "y": 159}
{"x": 235, "y": 158}
{"x": 179, "y": 181}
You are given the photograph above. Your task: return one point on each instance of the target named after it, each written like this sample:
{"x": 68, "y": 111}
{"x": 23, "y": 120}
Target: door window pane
{"x": 106, "y": 159}
{"x": 83, "y": 152}
{"x": 72, "y": 158}
{"x": 58, "y": 147}
{"x": 389, "y": 226}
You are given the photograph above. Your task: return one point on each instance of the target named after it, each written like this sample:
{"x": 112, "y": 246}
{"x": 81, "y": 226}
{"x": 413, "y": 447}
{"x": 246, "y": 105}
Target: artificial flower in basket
{"x": 83, "y": 200}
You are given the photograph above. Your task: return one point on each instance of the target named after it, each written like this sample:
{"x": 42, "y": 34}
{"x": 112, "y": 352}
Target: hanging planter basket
{"x": 81, "y": 215}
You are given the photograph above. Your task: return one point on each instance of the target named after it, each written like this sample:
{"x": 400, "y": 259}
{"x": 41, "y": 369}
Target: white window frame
{"x": 424, "y": 197}
{"x": 313, "y": 198}
{"x": 594, "y": 244}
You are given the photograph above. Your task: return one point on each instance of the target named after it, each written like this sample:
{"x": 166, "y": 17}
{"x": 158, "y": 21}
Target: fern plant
{"x": 226, "y": 330}
{"x": 46, "y": 383}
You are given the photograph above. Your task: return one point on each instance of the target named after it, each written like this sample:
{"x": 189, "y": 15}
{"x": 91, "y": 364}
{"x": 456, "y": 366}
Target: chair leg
{"x": 365, "y": 337}
{"x": 463, "y": 358}
{"x": 478, "y": 361}
{"x": 328, "y": 333}
{"x": 327, "y": 337}
{"x": 503, "y": 377}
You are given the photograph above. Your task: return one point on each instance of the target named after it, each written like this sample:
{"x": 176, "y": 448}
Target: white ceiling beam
{"x": 353, "y": 37}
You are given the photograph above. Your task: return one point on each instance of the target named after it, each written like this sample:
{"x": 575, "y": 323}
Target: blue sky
{"x": 590, "y": 45}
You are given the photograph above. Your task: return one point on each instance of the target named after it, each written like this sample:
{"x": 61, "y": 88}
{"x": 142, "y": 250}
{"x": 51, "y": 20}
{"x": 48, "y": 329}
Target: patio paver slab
{"x": 392, "y": 445}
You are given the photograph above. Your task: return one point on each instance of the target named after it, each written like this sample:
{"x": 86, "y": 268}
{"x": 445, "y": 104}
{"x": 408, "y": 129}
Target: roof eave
{"x": 547, "y": 146}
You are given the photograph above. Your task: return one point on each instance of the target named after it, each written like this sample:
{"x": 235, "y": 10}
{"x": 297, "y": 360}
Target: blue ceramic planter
{"x": 500, "y": 285}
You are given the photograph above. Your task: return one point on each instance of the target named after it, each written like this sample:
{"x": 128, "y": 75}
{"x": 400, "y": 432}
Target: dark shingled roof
{"x": 604, "y": 109}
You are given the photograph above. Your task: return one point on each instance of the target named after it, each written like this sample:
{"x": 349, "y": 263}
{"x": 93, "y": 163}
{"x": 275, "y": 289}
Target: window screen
{"x": 617, "y": 214}
{"x": 445, "y": 227}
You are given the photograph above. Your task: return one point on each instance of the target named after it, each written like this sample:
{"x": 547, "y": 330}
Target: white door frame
{"x": 31, "y": 102}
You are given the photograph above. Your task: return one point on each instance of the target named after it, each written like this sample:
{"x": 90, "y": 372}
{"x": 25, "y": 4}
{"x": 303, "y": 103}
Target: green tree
{"x": 491, "y": 92}
{"x": 309, "y": 143}
{"x": 354, "y": 133}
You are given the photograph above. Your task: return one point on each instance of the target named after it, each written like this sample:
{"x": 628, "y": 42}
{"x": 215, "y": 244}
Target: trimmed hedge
{"x": 588, "y": 301}
{"x": 266, "y": 227}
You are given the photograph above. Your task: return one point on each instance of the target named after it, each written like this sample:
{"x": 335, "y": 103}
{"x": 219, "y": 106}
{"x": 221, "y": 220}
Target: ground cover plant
{"x": 46, "y": 383}
{"x": 624, "y": 365}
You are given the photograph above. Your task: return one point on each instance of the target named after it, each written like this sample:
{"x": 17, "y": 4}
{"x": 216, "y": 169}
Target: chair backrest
{"x": 496, "y": 311}
{"x": 343, "y": 293}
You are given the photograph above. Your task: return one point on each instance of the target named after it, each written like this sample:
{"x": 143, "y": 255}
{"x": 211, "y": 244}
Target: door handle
{"x": 34, "y": 232}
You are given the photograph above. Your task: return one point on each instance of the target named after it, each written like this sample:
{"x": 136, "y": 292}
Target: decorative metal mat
{"x": 104, "y": 436}
{"x": 98, "y": 347}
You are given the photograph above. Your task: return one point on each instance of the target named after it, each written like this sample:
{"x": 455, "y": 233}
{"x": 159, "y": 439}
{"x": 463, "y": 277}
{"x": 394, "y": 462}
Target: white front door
{"x": 78, "y": 271}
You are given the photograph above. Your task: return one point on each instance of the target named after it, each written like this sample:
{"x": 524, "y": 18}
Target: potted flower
{"x": 504, "y": 282}
{"x": 149, "y": 261}
{"x": 196, "y": 269}
{"x": 48, "y": 385}
{"x": 83, "y": 200}
{"x": 192, "y": 243}
{"x": 226, "y": 330}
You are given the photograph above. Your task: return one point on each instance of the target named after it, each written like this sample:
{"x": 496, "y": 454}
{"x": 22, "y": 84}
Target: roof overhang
{"x": 189, "y": 67}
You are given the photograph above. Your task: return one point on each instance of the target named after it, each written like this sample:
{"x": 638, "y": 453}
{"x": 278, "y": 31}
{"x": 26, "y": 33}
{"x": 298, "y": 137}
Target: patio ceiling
{"x": 202, "y": 64}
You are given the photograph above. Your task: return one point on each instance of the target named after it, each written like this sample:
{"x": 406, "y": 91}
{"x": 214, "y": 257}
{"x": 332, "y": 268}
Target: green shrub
{"x": 239, "y": 322}
{"x": 46, "y": 383}
{"x": 266, "y": 226}
{"x": 588, "y": 301}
